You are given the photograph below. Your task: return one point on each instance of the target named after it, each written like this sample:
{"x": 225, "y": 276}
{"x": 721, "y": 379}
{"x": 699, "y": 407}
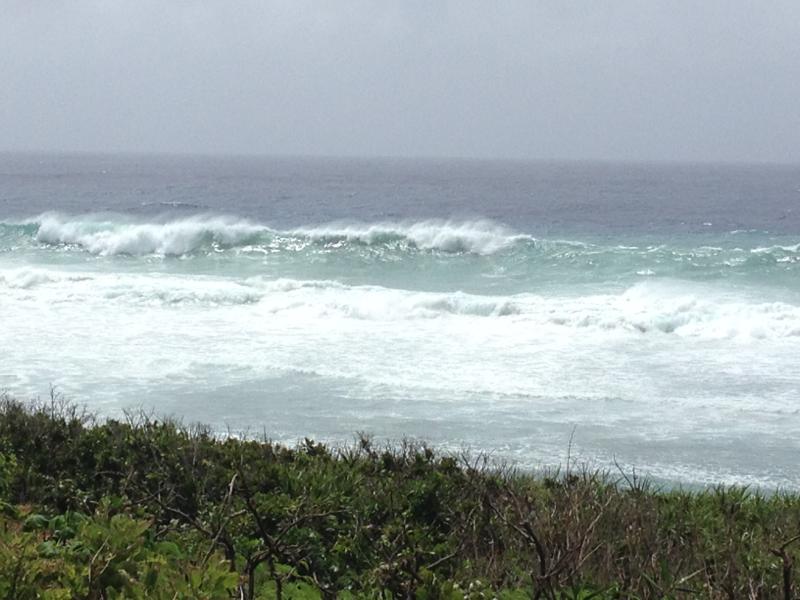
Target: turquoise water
{"x": 434, "y": 255}
{"x": 672, "y": 348}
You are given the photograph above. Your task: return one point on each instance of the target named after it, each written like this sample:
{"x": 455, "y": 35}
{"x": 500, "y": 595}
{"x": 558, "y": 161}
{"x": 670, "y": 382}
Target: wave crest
{"x": 475, "y": 237}
{"x": 173, "y": 238}
{"x": 25, "y": 278}
{"x": 105, "y": 236}
{"x": 364, "y": 302}
{"x": 650, "y": 309}
{"x": 659, "y": 309}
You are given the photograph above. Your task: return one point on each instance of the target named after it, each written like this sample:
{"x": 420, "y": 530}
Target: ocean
{"x": 649, "y": 313}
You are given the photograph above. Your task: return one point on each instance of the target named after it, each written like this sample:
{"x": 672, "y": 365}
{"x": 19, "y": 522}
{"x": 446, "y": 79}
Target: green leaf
{"x": 35, "y": 523}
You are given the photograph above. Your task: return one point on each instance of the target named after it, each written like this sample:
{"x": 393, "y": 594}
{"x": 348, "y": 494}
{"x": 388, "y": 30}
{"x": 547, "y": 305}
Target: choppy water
{"x": 495, "y": 306}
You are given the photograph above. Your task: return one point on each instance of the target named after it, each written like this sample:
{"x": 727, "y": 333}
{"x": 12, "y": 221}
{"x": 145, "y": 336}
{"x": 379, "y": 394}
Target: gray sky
{"x": 672, "y": 79}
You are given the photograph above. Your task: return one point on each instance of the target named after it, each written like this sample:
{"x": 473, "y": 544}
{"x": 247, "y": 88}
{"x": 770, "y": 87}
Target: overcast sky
{"x": 672, "y": 79}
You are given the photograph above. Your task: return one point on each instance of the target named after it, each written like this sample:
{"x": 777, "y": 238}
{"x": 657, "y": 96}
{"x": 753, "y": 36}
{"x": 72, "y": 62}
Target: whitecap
{"x": 478, "y": 237}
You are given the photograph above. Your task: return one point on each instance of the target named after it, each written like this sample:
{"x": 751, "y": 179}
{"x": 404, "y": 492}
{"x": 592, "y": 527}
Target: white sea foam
{"x": 296, "y": 353}
{"x": 479, "y": 237}
{"x": 25, "y": 278}
{"x": 324, "y": 299}
{"x": 204, "y": 235}
{"x": 657, "y": 309}
{"x": 648, "y": 308}
{"x": 776, "y": 249}
{"x": 104, "y": 236}
{"x": 641, "y": 310}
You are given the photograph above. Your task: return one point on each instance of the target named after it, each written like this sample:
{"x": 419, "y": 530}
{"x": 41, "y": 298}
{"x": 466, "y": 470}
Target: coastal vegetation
{"x": 149, "y": 508}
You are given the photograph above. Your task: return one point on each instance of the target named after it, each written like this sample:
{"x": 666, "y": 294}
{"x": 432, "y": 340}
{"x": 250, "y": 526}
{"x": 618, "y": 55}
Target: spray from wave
{"x": 478, "y": 237}
{"x": 476, "y": 256}
{"x": 174, "y": 238}
{"x": 105, "y": 236}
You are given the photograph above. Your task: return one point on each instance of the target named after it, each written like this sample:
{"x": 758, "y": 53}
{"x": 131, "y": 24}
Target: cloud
{"x": 657, "y": 80}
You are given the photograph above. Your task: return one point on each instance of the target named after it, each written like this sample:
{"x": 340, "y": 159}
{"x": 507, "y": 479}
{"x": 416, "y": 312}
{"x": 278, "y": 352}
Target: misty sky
{"x": 673, "y": 79}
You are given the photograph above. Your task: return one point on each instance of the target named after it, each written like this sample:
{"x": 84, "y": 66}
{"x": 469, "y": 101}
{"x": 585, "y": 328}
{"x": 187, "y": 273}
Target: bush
{"x": 148, "y": 508}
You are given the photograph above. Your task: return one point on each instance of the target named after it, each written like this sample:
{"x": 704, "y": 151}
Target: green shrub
{"x": 144, "y": 508}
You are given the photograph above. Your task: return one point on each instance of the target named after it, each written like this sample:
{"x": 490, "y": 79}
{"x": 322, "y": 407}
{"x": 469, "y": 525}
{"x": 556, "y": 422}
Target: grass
{"x": 146, "y": 508}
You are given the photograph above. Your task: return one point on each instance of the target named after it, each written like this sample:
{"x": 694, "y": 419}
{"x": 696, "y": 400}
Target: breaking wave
{"x": 27, "y": 278}
{"x": 648, "y": 308}
{"x": 661, "y": 309}
{"x": 478, "y": 237}
{"x": 173, "y": 238}
{"x": 205, "y": 235}
{"x": 108, "y": 237}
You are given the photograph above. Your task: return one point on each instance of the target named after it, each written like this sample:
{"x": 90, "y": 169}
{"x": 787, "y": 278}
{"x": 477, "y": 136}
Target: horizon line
{"x": 396, "y": 157}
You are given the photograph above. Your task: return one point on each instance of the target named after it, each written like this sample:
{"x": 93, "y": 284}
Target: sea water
{"x": 649, "y": 313}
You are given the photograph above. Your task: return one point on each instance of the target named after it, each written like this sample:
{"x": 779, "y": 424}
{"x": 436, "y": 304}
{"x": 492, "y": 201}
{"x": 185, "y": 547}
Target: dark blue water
{"x": 535, "y": 197}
